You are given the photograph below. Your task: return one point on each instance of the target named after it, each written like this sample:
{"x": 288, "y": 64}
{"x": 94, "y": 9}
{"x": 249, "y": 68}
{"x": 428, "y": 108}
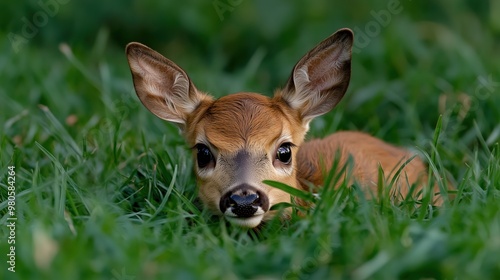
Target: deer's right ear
{"x": 320, "y": 79}
{"x": 162, "y": 86}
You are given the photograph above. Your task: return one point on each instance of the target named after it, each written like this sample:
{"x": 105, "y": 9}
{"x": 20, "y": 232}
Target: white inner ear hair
{"x": 180, "y": 95}
{"x": 303, "y": 91}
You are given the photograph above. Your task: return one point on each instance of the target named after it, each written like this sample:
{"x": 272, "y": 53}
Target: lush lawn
{"x": 104, "y": 190}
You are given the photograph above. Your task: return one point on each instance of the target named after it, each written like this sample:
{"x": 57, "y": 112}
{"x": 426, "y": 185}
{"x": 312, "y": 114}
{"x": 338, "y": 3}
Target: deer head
{"x": 244, "y": 138}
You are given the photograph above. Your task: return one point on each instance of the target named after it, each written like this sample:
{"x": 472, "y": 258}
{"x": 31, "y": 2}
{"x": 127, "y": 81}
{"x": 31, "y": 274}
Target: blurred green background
{"x": 110, "y": 186}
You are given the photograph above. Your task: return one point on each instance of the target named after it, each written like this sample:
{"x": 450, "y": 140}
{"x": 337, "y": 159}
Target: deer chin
{"x": 249, "y": 222}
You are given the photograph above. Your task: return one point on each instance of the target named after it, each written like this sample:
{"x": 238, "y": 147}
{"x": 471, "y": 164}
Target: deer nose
{"x": 243, "y": 202}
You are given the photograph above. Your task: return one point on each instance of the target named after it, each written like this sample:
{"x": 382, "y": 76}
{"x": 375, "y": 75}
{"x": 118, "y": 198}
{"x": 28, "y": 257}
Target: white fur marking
{"x": 250, "y": 222}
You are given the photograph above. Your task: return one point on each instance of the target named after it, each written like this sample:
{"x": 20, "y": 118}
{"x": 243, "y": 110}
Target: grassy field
{"x": 105, "y": 190}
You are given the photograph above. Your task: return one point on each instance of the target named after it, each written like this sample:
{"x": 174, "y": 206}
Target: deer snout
{"x": 243, "y": 202}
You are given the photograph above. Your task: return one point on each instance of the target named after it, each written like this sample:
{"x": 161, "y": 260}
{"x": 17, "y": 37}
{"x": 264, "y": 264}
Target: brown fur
{"x": 315, "y": 158}
{"x": 243, "y": 131}
{"x": 244, "y": 121}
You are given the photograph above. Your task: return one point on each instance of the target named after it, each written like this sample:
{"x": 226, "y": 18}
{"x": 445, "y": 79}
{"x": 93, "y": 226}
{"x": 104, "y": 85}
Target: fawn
{"x": 244, "y": 138}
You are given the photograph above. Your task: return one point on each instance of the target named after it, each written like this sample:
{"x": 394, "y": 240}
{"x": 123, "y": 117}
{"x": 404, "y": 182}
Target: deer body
{"x": 244, "y": 138}
{"x": 317, "y": 157}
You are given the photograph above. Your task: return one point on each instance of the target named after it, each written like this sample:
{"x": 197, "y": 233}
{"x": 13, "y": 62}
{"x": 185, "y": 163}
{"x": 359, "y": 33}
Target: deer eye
{"x": 203, "y": 155}
{"x": 284, "y": 153}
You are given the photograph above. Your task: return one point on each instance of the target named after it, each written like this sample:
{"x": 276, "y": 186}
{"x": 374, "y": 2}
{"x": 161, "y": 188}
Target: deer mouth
{"x": 247, "y": 222}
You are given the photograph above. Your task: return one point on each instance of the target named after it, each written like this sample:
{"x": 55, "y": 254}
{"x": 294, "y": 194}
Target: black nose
{"x": 244, "y": 201}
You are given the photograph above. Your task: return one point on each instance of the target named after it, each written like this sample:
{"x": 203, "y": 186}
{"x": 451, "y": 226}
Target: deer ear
{"x": 320, "y": 79}
{"x": 162, "y": 86}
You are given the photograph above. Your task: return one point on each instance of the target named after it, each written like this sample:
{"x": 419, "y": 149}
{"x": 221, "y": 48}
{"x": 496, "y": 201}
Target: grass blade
{"x": 306, "y": 196}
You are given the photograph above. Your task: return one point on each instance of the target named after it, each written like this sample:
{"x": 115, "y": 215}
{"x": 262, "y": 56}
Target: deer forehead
{"x": 247, "y": 121}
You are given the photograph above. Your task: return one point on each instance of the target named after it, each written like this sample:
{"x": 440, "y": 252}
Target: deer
{"x": 242, "y": 139}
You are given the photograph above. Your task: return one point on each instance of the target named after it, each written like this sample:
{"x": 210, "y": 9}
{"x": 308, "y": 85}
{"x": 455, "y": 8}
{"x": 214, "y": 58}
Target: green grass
{"x": 113, "y": 194}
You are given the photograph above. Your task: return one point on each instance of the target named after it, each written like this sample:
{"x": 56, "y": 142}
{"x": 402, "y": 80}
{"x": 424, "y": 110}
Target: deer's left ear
{"x": 320, "y": 79}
